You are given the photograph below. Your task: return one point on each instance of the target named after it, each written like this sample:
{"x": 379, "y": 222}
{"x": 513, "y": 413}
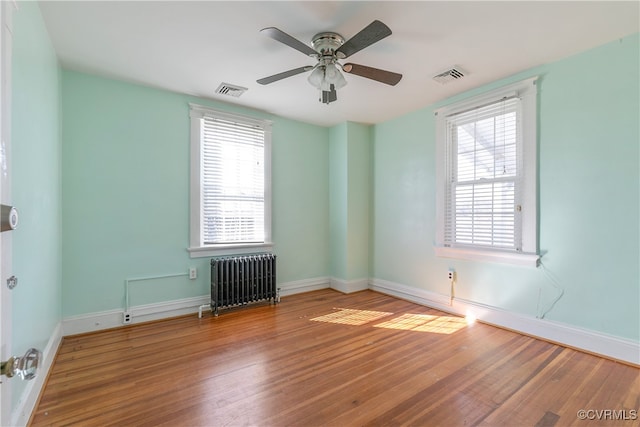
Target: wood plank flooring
{"x": 328, "y": 359}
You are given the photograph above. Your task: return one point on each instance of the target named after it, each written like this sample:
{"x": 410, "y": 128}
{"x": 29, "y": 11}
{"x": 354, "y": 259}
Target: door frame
{"x": 6, "y": 40}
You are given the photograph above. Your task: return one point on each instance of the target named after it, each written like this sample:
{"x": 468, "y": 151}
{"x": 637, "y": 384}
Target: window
{"x": 230, "y": 183}
{"x": 486, "y": 177}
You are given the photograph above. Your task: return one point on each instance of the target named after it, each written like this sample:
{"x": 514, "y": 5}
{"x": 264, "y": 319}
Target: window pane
{"x": 486, "y": 149}
{"x": 234, "y": 221}
{"x": 232, "y": 182}
{"x": 485, "y": 214}
{"x": 485, "y": 171}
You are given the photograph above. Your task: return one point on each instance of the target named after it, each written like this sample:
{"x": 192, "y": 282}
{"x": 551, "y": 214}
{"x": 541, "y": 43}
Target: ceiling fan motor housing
{"x": 327, "y": 43}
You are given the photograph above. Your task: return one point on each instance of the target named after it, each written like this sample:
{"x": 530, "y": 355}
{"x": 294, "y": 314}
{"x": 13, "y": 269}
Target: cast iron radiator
{"x": 240, "y": 280}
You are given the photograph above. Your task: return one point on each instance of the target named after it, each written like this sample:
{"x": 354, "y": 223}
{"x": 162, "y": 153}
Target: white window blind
{"x": 484, "y": 171}
{"x": 233, "y": 187}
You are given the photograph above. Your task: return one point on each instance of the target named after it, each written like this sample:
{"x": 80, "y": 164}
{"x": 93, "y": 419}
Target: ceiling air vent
{"x": 453, "y": 73}
{"x": 231, "y": 90}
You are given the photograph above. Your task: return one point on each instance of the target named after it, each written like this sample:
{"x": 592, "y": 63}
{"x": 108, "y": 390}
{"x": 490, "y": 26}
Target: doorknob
{"x": 8, "y": 218}
{"x": 26, "y": 367}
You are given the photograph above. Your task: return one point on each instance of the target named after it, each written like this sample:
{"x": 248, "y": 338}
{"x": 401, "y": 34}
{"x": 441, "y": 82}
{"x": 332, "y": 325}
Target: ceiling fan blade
{"x": 290, "y": 41}
{"x": 370, "y": 34}
{"x": 377, "y": 74}
{"x": 284, "y": 75}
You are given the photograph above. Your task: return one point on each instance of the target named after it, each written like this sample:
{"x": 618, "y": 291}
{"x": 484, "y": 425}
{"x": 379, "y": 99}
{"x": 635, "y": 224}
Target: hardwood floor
{"x": 328, "y": 359}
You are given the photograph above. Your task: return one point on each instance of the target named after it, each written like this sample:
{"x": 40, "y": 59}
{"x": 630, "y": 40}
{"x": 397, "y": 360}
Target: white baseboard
{"x": 27, "y": 402}
{"x": 314, "y": 284}
{"x": 92, "y": 322}
{"x": 571, "y": 336}
{"x": 305, "y": 285}
{"x": 419, "y": 296}
{"x": 164, "y": 310}
{"x": 349, "y": 286}
{"x": 142, "y": 313}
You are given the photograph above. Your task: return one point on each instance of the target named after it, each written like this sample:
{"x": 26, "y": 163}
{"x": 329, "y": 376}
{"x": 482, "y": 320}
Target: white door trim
{"x": 6, "y": 37}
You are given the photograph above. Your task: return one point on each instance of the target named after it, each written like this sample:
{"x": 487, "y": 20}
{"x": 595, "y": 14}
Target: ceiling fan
{"x": 328, "y": 48}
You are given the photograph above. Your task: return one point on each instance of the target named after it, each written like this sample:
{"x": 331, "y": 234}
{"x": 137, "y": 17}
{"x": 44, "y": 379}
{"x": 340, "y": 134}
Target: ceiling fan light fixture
{"x": 342, "y": 82}
{"x": 333, "y": 76}
{"x": 316, "y": 78}
{"x": 323, "y": 76}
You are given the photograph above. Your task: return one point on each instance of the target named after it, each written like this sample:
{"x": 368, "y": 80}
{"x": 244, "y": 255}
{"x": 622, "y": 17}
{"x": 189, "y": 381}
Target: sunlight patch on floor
{"x": 406, "y": 322}
{"x": 425, "y": 323}
{"x": 348, "y": 316}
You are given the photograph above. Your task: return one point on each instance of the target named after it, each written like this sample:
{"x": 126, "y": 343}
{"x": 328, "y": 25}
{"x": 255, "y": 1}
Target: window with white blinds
{"x": 232, "y": 182}
{"x": 487, "y": 203}
{"x": 231, "y": 195}
{"x": 483, "y": 176}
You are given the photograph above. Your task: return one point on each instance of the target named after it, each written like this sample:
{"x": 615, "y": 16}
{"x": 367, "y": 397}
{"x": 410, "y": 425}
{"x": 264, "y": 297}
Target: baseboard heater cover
{"x": 241, "y": 280}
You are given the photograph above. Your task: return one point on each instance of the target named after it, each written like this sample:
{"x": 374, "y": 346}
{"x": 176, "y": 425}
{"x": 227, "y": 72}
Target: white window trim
{"x": 196, "y": 248}
{"x": 526, "y": 90}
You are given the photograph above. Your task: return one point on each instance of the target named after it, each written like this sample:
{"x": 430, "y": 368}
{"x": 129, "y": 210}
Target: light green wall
{"x": 300, "y": 178}
{"x": 358, "y": 149}
{"x": 338, "y": 204}
{"x": 36, "y": 185}
{"x": 590, "y": 184}
{"x": 404, "y": 202}
{"x": 349, "y": 200}
{"x": 588, "y": 197}
{"x": 126, "y": 195}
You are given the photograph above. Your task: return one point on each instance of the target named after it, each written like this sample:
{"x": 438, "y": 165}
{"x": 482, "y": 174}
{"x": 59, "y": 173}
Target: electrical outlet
{"x": 451, "y": 275}
{"x": 126, "y": 318}
{"x": 193, "y": 273}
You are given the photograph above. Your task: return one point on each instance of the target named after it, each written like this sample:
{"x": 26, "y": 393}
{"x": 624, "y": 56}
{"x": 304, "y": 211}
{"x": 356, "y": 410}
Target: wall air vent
{"x": 453, "y": 73}
{"x": 231, "y": 90}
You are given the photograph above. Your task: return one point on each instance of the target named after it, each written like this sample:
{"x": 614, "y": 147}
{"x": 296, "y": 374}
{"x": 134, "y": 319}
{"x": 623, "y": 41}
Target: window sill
{"x": 469, "y": 254}
{"x": 233, "y": 249}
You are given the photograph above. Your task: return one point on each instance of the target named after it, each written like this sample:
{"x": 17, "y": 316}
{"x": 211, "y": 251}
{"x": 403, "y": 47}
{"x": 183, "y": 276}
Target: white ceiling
{"x": 192, "y": 47}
